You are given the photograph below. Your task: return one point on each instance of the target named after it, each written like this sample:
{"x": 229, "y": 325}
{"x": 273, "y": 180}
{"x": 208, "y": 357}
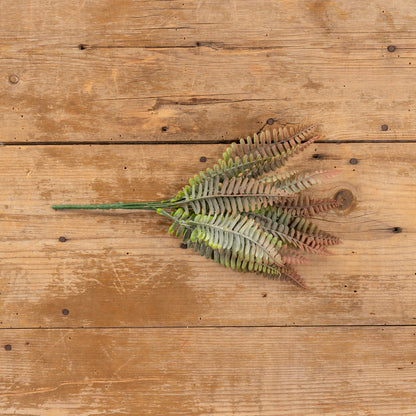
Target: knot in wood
{"x": 344, "y": 197}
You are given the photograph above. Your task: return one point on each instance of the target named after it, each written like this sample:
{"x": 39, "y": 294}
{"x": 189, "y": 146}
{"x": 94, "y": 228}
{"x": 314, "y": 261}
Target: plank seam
{"x": 210, "y": 327}
{"x": 182, "y": 142}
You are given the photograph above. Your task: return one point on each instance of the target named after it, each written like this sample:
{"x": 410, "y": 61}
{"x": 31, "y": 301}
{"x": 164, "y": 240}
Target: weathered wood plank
{"x": 251, "y": 371}
{"x": 204, "y": 70}
{"x": 178, "y": 23}
{"x": 123, "y": 269}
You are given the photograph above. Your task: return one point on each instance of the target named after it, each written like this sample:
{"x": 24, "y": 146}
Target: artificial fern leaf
{"x": 295, "y": 182}
{"x": 284, "y": 273}
{"x": 289, "y": 274}
{"x": 280, "y": 142}
{"x": 256, "y": 156}
{"x": 225, "y": 257}
{"x": 220, "y": 171}
{"x": 239, "y": 234}
{"x": 242, "y": 214}
{"x": 228, "y": 258}
{"x": 305, "y": 206}
{"x": 232, "y": 195}
{"x": 313, "y": 233}
{"x": 294, "y": 231}
{"x": 215, "y": 237}
{"x": 292, "y": 256}
{"x": 265, "y": 153}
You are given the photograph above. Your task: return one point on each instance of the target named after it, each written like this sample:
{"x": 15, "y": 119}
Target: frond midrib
{"x": 256, "y": 195}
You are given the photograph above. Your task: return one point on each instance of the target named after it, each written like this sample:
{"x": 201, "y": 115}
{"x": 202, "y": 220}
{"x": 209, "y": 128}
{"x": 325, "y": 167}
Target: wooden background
{"x": 101, "y": 313}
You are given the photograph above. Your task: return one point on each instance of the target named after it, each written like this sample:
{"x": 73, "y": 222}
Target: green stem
{"x": 119, "y": 205}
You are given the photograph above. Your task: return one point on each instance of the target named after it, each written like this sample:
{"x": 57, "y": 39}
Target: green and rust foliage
{"x": 242, "y": 214}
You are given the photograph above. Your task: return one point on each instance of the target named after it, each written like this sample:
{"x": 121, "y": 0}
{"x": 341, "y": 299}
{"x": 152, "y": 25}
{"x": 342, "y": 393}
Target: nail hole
{"x": 198, "y": 43}
{"x": 391, "y": 48}
{"x": 62, "y": 239}
{"x": 397, "y": 230}
{"x": 164, "y": 128}
{"x": 202, "y": 159}
{"x": 316, "y": 156}
{"x": 65, "y": 312}
{"x": 82, "y": 46}
{"x": 8, "y": 347}
{"x": 353, "y": 161}
{"x": 13, "y": 79}
{"x": 264, "y": 295}
{"x": 384, "y": 127}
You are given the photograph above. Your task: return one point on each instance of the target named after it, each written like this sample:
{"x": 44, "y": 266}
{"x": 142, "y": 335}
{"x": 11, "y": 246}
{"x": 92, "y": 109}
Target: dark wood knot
{"x": 344, "y": 197}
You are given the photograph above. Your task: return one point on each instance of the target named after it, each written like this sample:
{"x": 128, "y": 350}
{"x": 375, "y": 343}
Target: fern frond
{"x": 305, "y": 206}
{"x": 233, "y": 242}
{"x": 292, "y": 256}
{"x": 247, "y": 242}
{"x": 224, "y": 257}
{"x": 296, "y": 182}
{"x": 253, "y": 157}
{"x": 294, "y": 231}
{"x": 220, "y": 171}
{"x": 263, "y": 153}
{"x": 284, "y": 273}
{"x": 287, "y": 273}
{"x": 280, "y": 142}
{"x": 232, "y": 195}
{"x": 243, "y": 215}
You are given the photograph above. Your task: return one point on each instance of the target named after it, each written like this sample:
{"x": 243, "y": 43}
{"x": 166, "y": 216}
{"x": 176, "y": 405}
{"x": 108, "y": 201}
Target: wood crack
{"x": 202, "y": 101}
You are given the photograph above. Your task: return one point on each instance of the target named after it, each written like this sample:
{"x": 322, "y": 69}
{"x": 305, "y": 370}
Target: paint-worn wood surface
{"x": 117, "y": 70}
{"x": 204, "y": 371}
{"x": 123, "y": 267}
{"x": 117, "y": 100}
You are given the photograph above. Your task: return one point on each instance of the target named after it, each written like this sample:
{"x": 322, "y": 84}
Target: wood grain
{"x": 117, "y": 70}
{"x": 250, "y": 371}
{"x": 102, "y": 313}
{"x": 123, "y": 269}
